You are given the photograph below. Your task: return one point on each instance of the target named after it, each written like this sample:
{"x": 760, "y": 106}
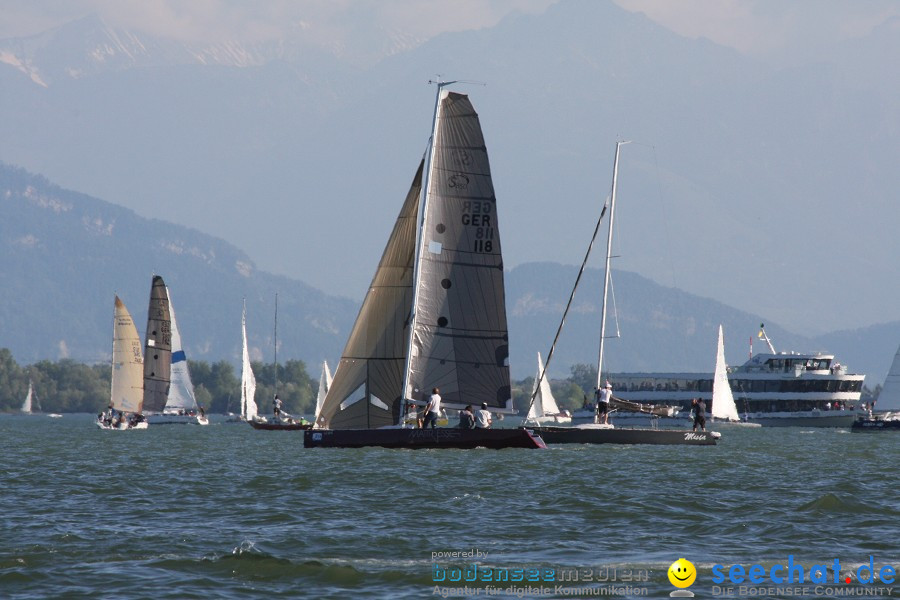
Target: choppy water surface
{"x": 226, "y": 511}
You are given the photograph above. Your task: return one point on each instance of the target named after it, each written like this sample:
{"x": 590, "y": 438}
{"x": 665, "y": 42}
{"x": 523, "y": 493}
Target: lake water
{"x": 226, "y": 511}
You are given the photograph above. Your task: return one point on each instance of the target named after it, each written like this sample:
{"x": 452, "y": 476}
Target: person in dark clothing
{"x": 467, "y": 418}
{"x": 698, "y": 407}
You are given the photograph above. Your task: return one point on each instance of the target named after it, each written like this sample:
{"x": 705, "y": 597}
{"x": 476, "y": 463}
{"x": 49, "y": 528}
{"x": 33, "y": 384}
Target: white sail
{"x": 127, "y": 386}
{"x": 181, "y": 389}
{"x": 889, "y": 398}
{"x": 26, "y": 406}
{"x": 723, "y": 407}
{"x": 324, "y": 384}
{"x": 248, "y": 381}
{"x": 544, "y": 402}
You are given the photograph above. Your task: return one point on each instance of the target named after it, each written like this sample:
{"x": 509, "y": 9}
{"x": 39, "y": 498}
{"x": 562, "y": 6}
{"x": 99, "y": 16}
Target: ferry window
{"x": 757, "y": 386}
{"x": 773, "y": 386}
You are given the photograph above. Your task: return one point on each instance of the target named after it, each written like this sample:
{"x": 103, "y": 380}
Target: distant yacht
{"x": 777, "y": 389}
{"x": 885, "y": 415}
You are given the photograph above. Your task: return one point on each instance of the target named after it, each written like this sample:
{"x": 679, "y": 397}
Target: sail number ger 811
{"x": 477, "y": 214}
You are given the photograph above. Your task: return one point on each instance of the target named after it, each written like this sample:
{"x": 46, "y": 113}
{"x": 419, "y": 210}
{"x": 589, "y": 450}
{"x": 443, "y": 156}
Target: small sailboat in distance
{"x": 31, "y": 405}
{"x": 281, "y": 420}
{"x": 29, "y": 399}
{"x": 544, "y": 408}
{"x": 181, "y": 405}
{"x": 324, "y": 384}
{"x": 885, "y": 415}
{"x": 723, "y": 409}
{"x": 248, "y": 380}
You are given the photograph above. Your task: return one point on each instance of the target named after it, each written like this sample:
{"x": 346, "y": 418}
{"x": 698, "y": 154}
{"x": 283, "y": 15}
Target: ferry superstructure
{"x": 771, "y": 388}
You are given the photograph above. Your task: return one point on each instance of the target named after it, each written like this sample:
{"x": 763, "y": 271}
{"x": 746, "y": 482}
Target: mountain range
{"x": 768, "y": 185}
{"x": 65, "y": 255}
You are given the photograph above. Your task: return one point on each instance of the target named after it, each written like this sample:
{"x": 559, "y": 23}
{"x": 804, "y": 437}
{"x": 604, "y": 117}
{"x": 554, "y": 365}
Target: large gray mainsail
{"x": 157, "y": 348}
{"x": 365, "y": 392}
{"x": 460, "y": 342}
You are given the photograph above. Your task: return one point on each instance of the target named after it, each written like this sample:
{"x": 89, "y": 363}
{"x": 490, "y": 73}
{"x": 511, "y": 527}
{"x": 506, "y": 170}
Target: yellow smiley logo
{"x": 682, "y": 573}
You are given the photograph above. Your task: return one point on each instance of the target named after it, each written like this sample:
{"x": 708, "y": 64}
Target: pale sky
{"x": 750, "y": 26}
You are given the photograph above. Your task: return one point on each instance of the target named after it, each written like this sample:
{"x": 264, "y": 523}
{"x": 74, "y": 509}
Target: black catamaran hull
{"x": 575, "y": 435}
{"x": 422, "y": 438}
{"x": 867, "y": 425}
{"x": 280, "y": 426}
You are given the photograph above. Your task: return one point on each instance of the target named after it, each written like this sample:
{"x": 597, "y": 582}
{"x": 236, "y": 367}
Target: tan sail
{"x": 127, "y": 388}
{"x": 365, "y": 392}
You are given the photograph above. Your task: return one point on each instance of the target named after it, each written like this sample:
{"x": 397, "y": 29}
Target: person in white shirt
{"x": 432, "y": 409}
{"x": 483, "y": 417}
{"x": 603, "y": 395}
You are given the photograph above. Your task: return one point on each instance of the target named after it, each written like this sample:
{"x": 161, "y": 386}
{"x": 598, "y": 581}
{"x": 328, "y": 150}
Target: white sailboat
{"x": 324, "y": 384}
{"x": 127, "y": 381}
{"x": 888, "y": 403}
{"x": 885, "y": 415}
{"x": 29, "y": 397}
{"x": 434, "y": 315}
{"x": 248, "y": 380}
{"x": 599, "y": 432}
{"x": 181, "y": 404}
{"x": 544, "y": 409}
{"x": 723, "y": 409}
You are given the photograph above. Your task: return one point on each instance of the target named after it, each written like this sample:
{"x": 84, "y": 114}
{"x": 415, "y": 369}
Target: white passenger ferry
{"x": 772, "y": 389}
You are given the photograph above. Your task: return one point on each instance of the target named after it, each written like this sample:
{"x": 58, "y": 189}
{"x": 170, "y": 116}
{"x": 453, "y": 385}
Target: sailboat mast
{"x": 406, "y": 393}
{"x": 243, "y": 359}
{"x": 275, "y": 337}
{"x": 609, "y": 238}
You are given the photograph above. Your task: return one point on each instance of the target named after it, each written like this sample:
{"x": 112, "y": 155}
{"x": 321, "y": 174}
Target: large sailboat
{"x": 434, "y": 315}
{"x": 181, "y": 405}
{"x": 607, "y": 433}
{"x": 127, "y": 382}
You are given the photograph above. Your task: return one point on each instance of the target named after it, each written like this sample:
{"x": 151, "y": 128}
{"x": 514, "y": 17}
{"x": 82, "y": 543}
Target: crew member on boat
{"x": 603, "y": 395}
{"x": 432, "y": 409}
{"x": 483, "y": 417}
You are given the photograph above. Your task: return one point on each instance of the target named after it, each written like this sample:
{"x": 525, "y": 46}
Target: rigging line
{"x": 615, "y": 307}
{"x": 537, "y": 384}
